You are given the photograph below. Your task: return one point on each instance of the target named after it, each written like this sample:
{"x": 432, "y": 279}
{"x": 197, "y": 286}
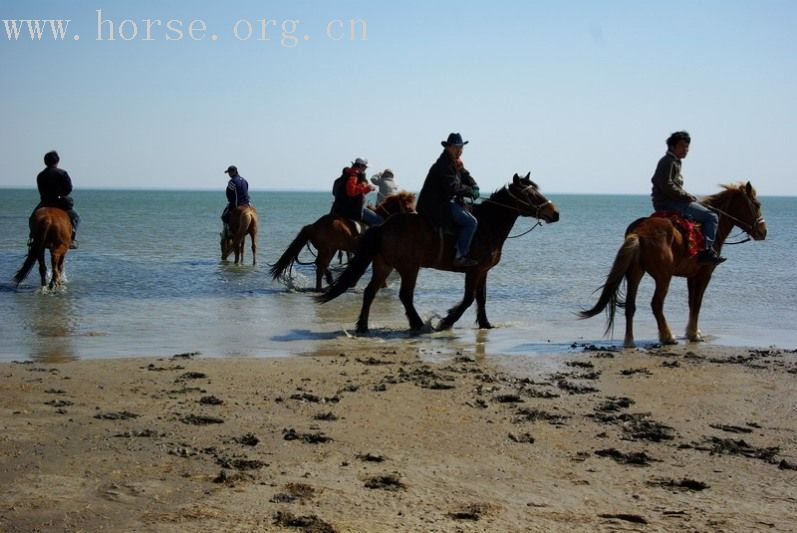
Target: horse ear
{"x": 528, "y": 175}
{"x": 515, "y": 178}
{"x": 748, "y": 188}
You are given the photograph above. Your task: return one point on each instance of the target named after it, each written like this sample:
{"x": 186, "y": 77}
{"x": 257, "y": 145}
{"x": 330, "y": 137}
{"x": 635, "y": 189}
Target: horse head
{"x": 740, "y": 204}
{"x": 226, "y": 243}
{"x": 526, "y": 198}
{"x": 400, "y": 202}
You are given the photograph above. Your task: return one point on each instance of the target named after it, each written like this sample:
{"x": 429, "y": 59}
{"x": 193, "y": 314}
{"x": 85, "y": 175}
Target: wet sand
{"x": 685, "y": 438}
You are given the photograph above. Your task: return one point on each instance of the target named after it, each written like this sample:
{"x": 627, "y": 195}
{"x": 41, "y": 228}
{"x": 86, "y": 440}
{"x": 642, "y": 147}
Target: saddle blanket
{"x": 691, "y": 230}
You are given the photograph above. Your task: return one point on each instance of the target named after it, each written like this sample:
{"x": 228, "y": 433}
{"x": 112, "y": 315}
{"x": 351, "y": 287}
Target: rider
{"x": 349, "y": 191}
{"x": 387, "y": 186}
{"x": 441, "y": 200}
{"x": 669, "y": 195}
{"x": 237, "y": 193}
{"x": 54, "y": 186}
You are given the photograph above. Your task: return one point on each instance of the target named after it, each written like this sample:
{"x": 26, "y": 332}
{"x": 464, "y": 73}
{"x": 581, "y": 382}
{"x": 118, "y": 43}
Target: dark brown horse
{"x": 243, "y": 222}
{"x": 408, "y": 243}
{"x": 332, "y": 233}
{"x": 51, "y": 230}
{"x": 655, "y": 246}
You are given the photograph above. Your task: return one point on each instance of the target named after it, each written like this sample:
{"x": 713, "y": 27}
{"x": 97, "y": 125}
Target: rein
{"x": 744, "y": 226}
{"x": 523, "y": 202}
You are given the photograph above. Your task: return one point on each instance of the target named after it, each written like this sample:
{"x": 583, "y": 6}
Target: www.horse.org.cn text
{"x": 286, "y": 33}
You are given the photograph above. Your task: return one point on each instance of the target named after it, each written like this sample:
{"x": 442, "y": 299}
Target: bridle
{"x": 526, "y": 204}
{"x": 751, "y": 230}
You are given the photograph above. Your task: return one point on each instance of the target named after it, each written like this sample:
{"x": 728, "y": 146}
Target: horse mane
{"x": 403, "y": 198}
{"x": 729, "y": 189}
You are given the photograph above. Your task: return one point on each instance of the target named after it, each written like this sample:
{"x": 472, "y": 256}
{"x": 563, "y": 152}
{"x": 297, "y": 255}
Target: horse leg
{"x": 322, "y": 261}
{"x": 406, "y": 295}
{"x": 657, "y": 304}
{"x": 42, "y": 267}
{"x": 632, "y": 278}
{"x": 380, "y": 272}
{"x": 57, "y": 260}
{"x": 254, "y": 248}
{"x": 697, "y": 287}
{"x": 456, "y": 312}
{"x": 481, "y": 303}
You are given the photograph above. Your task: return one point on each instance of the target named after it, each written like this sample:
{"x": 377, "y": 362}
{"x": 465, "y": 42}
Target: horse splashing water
{"x": 408, "y": 243}
{"x": 243, "y": 222}
{"x": 51, "y": 230}
{"x": 332, "y": 233}
{"x": 656, "y": 247}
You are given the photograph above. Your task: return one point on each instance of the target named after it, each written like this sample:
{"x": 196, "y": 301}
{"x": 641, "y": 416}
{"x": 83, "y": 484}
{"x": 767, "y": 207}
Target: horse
{"x": 332, "y": 233}
{"x": 243, "y": 222}
{"x": 655, "y": 246}
{"x": 51, "y": 230}
{"x": 407, "y": 243}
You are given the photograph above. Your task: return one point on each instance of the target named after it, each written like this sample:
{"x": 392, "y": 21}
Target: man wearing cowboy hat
{"x": 237, "y": 192}
{"x": 441, "y": 200}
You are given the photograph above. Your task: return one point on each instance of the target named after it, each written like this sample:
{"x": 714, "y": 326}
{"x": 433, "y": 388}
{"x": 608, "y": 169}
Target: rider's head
{"x": 232, "y": 170}
{"x": 678, "y": 143}
{"x": 51, "y": 158}
{"x": 454, "y": 145}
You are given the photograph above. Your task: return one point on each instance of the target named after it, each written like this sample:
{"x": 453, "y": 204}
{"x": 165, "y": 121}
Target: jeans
{"x": 371, "y": 218}
{"x": 698, "y": 213}
{"x": 466, "y": 228}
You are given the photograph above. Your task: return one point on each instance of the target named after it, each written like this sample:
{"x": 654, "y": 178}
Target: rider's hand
{"x": 475, "y": 193}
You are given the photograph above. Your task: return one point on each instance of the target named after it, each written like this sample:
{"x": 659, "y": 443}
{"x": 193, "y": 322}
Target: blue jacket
{"x": 237, "y": 191}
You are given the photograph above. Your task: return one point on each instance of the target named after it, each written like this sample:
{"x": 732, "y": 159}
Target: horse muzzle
{"x": 550, "y": 214}
{"x": 759, "y": 232}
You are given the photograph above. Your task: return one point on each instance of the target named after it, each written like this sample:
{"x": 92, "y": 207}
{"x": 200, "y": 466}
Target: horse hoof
{"x": 485, "y": 325}
{"x": 669, "y": 342}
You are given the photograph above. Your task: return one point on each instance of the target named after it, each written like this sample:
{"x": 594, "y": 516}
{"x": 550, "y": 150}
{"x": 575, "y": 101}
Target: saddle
{"x": 692, "y": 231}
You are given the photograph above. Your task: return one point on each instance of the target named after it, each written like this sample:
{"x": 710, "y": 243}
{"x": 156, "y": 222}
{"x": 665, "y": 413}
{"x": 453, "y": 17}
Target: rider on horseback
{"x": 237, "y": 193}
{"x": 349, "y": 191}
{"x": 441, "y": 200}
{"x": 669, "y": 195}
{"x": 54, "y": 186}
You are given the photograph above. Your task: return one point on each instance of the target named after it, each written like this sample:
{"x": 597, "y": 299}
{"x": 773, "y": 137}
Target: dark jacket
{"x": 349, "y": 191}
{"x": 668, "y": 184}
{"x": 237, "y": 192}
{"x": 54, "y": 187}
{"x": 443, "y": 183}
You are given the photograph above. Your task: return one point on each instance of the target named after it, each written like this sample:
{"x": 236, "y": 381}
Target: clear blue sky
{"x": 580, "y": 93}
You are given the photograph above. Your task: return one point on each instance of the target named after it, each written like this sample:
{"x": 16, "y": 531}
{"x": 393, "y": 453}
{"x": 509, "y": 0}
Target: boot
{"x": 710, "y": 256}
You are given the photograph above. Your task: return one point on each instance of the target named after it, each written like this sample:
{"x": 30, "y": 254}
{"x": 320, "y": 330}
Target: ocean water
{"x": 148, "y": 281}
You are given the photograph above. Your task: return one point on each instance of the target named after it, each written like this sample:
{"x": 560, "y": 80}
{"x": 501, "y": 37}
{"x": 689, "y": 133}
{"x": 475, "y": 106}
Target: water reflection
{"x": 51, "y": 320}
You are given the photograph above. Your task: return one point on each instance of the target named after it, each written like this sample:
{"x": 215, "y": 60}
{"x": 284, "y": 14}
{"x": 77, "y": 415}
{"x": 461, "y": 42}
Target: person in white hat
{"x": 387, "y": 185}
{"x": 349, "y": 191}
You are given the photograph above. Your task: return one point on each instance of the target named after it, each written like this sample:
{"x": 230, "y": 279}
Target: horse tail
{"x": 34, "y": 252}
{"x": 369, "y": 245}
{"x": 289, "y": 256}
{"x": 611, "y": 296}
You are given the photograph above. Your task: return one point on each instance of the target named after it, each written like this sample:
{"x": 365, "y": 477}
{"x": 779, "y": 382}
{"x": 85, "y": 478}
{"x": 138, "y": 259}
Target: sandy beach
{"x": 684, "y": 438}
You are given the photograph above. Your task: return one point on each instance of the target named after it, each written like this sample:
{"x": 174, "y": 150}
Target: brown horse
{"x": 51, "y": 230}
{"x": 243, "y": 222}
{"x": 332, "y": 233}
{"x": 655, "y": 246}
{"x": 408, "y": 243}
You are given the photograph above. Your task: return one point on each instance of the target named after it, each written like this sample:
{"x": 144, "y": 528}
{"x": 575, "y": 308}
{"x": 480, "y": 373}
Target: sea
{"x": 148, "y": 281}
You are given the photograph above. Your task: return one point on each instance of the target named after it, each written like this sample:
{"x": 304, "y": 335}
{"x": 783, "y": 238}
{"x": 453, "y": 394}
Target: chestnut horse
{"x": 243, "y": 222}
{"x": 332, "y": 233}
{"x": 655, "y": 246}
{"x": 51, "y": 230}
{"x": 408, "y": 243}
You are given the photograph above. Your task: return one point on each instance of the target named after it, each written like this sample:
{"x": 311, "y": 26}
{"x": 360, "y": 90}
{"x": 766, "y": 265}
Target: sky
{"x": 582, "y": 94}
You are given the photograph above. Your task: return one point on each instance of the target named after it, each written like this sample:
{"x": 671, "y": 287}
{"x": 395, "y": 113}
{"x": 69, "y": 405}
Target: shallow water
{"x": 147, "y": 280}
